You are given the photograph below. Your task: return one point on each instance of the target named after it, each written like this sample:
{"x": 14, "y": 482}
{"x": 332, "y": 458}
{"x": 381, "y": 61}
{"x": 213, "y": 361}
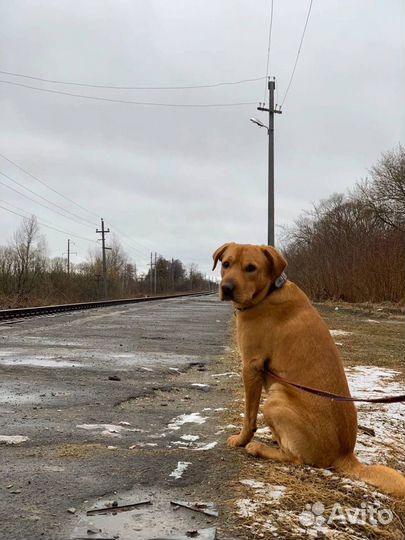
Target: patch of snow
{"x": 247, "y": 507}
{"x": 200, "y": 385}
{"x": 340, "y": 333}
{"x": 226, "y": 374}
{"x": 192, "y": 418}
{"x": 110, "y": 430}
{"x": 179, "y": 470}
{"x": 387, "y": 421}
{"x": 268, "y": 490}
{"x": 190, "y": 437}
{"x": 263, "y": 430}
{"x": 208, "y": 446}
{"x": 13, "y": 439}
{"x": 253, "y": 483}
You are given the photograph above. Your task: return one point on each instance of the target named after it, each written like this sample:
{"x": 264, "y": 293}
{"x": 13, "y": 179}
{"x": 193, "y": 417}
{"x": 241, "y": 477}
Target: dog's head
{"x": 247, "y": 272}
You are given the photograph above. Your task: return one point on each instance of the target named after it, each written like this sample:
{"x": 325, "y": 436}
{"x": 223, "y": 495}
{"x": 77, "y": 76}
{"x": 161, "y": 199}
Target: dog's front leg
{"x": 253, "y": 382}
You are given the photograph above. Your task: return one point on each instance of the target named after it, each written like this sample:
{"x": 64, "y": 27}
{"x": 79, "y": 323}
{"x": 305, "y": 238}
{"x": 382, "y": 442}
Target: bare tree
{"x": 384, "y": 193}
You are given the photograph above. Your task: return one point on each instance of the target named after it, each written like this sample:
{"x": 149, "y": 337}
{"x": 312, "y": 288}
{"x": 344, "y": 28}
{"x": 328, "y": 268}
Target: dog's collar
{"x": 280, "y": 281}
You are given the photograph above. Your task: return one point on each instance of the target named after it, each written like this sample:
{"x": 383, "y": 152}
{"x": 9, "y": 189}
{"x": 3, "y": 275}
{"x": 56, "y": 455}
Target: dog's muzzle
{"x": 227, "y": 290}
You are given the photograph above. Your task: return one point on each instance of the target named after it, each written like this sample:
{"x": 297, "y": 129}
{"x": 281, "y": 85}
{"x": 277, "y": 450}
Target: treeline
{"x": 29, "y": 277}
{"x": 351, "y": 247}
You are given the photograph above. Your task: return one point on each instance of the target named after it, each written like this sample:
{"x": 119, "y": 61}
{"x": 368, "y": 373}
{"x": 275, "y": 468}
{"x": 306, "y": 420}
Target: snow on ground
{"x": 12, "y": 439}
{"x": 192, "y": 418}
{"x": 340, "y": 333}
{"x": 179, "y": 470}
{"x": 387, "y": 421}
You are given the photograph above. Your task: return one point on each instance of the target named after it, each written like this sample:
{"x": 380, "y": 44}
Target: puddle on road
{"x": 147, "y": 521}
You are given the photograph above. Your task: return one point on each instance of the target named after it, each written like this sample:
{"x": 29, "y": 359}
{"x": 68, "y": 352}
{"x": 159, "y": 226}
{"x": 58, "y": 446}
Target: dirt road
{"x": 124, "y": 399}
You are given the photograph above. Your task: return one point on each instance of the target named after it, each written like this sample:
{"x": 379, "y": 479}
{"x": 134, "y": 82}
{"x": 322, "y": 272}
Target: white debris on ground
{"x": 109, "y": 430}
{"x": 13, "y": 439}
{"x": 340, "y": 333}
{"x": 270, "y": 491}
{"x": 179, "y": 470}
{"x": 192, "y": 418}
{"x": 387, "y": 421}
{"x": 190, "y": 438}
{"x": 200, "y": 385}
{"x": 226, "y": 374}
{"x": 208, "y": 446}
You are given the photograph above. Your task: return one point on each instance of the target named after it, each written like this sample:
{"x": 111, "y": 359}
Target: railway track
{"x": 19, "y": 313}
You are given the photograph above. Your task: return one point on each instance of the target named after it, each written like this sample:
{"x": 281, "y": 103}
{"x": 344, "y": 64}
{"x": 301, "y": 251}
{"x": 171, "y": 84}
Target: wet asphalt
{"x": 117, "y": 404}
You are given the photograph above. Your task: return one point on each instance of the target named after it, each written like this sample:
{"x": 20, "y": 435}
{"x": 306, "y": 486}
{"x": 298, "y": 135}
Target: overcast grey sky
{"x": 183, "y": 181}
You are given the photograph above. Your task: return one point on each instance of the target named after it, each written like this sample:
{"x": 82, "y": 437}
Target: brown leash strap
{"x": 330, "y": 395}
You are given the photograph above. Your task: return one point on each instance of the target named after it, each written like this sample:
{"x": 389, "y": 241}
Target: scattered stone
{"x": 71, "y": 510}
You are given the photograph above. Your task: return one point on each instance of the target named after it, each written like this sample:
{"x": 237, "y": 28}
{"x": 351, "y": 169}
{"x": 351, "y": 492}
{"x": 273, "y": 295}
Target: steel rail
{"x": 18, "y": 313}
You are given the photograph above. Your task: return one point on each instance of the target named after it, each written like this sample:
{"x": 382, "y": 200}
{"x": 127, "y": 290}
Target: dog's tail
{"x": 388, "y": 480}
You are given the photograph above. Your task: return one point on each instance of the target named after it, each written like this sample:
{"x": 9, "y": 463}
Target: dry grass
{"x": 379, "y": 344}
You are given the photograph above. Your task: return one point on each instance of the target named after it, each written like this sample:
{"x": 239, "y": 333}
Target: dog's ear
{"x": 217, "y": 255}
{"x": 277, "y": 261}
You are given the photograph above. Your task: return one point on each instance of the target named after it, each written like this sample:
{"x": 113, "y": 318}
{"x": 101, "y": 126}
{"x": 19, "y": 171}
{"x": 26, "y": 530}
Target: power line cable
{"x": 298, "y": 54}
{"x": 51, "y": 227}
{"x": 268, "y": 50}
{"x": 129, "y": 102}
{"x": 85, "y": 221}
{"x": 115, "y": 87}
{"x": 147, "y": 249}
{"x": 62, "y": 195}
{"x": 41, "y": 204}
{"x": 47, "y": 185}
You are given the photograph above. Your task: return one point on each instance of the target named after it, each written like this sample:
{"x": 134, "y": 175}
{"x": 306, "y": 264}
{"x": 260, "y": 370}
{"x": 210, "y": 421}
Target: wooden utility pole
{"x": 270, "y": 130}
{"x": 103, "y": 232}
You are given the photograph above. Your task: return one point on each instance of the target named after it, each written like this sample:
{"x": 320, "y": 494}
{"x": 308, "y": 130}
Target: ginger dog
{"x": 278, "y": 328}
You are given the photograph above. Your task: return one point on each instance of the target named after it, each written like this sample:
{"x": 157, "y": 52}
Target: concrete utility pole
{"x": 270, "y": 130}
{"x": 103, "y": 232}
{"x": 150, "y": 274}
{"x": 172, "y": 273}
{"x": 155, "y": 277}
{"x": 69, "y": 253}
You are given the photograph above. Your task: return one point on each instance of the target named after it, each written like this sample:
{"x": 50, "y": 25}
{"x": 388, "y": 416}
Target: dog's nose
{"x": 227, "y": 290}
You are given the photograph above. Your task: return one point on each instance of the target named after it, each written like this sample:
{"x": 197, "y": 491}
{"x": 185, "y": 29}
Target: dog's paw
{"x": 235, "y": 440}
{"x": 253, "y": 448}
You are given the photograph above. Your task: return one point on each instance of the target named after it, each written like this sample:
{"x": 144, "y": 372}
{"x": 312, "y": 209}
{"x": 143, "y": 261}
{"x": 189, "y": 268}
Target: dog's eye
{"x": 250, "y": 268}
{"x": 226, "y": 264}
